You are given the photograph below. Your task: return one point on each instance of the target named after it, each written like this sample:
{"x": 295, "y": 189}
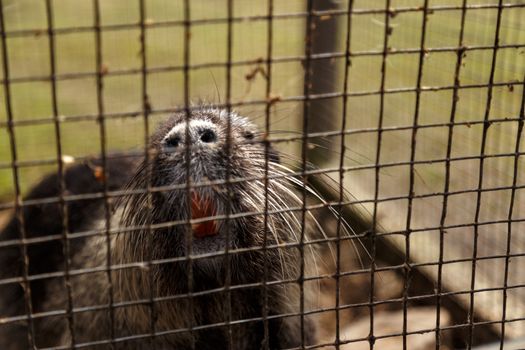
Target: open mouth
{"x": 202, "y": 207}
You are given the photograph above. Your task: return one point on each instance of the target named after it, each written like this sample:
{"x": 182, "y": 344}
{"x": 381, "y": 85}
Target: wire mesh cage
{"x": 233, "y": 174}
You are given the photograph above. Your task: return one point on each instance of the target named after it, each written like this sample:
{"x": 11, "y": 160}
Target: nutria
{"x": 151, "y": 279}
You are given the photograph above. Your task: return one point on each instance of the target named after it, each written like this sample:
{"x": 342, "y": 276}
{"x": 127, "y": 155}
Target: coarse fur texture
{"x": 146, "y": 289}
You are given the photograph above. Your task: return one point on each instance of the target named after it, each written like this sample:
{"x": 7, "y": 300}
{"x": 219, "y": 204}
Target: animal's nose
{"x": 206, "y": 135}
{"x": 200, "y": 132}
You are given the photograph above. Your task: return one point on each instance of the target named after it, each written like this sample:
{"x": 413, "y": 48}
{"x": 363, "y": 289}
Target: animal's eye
{"x": 248, "y": 135}
{"x": 172, "y": 141}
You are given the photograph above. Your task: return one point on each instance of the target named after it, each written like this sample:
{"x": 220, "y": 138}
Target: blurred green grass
{"x": 75, "y": 53}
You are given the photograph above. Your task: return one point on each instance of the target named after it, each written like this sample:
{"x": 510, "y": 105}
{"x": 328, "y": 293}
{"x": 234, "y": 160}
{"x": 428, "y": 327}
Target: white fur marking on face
{"x": 195, "y": 124}
{"x": 223, "y": 113}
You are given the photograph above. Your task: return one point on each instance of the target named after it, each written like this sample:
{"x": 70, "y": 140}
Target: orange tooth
{"x": 202, "y": 208}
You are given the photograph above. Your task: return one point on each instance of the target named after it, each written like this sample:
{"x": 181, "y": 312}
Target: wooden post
{"x": 322, "y": 113}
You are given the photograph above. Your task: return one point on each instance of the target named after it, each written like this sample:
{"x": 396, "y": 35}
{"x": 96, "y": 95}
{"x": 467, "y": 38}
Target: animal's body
{"x": 149, "y": 287}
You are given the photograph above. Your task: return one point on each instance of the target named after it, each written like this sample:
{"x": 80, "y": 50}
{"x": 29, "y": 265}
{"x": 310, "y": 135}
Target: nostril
{"x": 208, "y": 136}
{"x": 173, "y": 141}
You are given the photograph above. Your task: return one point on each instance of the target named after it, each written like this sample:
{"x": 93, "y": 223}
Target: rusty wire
{"x": 304, "y": 172}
